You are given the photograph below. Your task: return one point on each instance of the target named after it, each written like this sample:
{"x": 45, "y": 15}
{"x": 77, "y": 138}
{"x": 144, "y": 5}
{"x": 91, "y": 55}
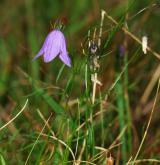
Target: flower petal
{"x": 52, "y": 49}
{"x": 40, "y": 53}
{"x": 53, "y": 46}
{"x": 64, "y": 54}
{"x": 65, "y": 59}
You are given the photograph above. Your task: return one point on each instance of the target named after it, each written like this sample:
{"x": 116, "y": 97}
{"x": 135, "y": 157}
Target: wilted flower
{"x": 54, "y": 45}
{"x": 144, "y": 44}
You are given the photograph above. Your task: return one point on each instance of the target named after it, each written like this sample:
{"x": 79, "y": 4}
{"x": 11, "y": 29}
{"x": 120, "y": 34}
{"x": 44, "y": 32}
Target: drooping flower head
{"x": 53, "y": 46}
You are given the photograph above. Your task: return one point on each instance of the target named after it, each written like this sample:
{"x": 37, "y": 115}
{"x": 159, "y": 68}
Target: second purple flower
{"x": 54, "y": 45}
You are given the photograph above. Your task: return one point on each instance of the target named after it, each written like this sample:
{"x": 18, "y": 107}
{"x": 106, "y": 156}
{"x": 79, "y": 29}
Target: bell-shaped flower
{"x": 53, "y": 46}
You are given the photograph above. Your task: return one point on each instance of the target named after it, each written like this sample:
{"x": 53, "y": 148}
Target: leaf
{"x": 2, "y": 161}
{"x": 50, "y": 101}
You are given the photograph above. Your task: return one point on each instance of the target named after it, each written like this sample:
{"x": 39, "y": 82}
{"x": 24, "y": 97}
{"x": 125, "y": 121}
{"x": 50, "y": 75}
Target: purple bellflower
{"x": 53, "y": 46}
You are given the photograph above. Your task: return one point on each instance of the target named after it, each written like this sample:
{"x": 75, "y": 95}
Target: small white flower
{"x": 144, "y": 44}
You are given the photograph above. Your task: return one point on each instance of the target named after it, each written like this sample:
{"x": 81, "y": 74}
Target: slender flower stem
{"x": 101, "y": 27}
{"x": 95, "y": 81}
{"x": 94, "y": 87}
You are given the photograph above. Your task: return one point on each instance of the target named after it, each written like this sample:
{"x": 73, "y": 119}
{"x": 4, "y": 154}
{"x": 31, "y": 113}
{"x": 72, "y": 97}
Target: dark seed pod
{"x": 93, "y": 48}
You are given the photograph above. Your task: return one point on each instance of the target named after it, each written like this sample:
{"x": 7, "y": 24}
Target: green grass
{"x": 60, "y": 123}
